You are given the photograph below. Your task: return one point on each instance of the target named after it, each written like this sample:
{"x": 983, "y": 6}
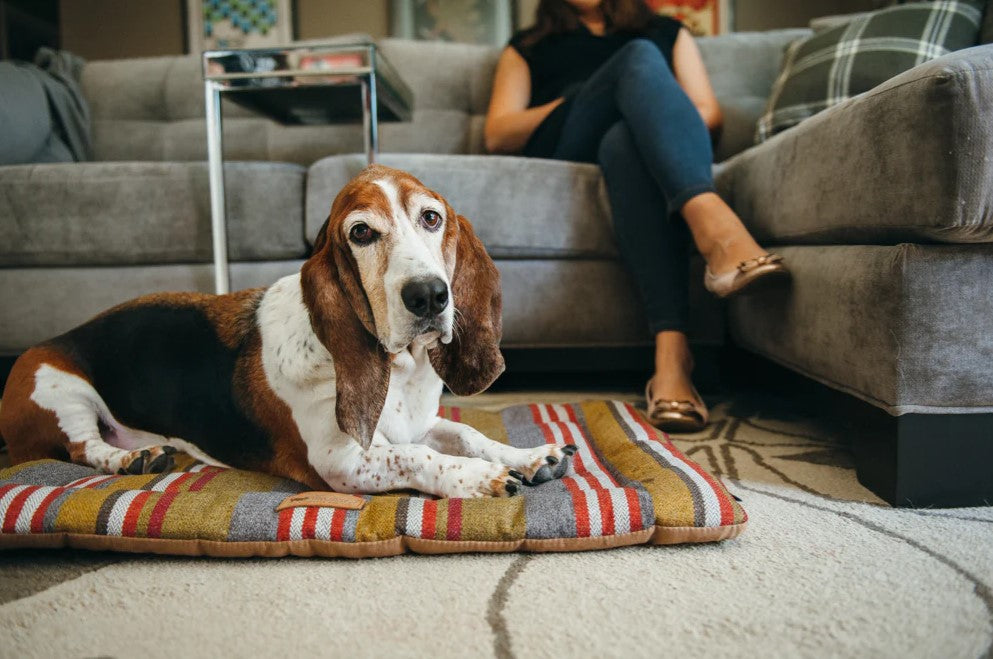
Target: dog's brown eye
{"x": 430, "y": 220}
{"x": 362, "y": 234}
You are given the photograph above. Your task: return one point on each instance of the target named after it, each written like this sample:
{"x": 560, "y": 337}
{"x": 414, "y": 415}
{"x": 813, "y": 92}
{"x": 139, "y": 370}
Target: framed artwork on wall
{"x": 701, "y": 17}
{"x": 220, "y": 24}
{"x": 466, "y": 21}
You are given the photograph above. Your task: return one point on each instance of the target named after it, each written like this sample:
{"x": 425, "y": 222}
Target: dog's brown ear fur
{"x": 472, "y": 361}
{"x": 342, "y": 319}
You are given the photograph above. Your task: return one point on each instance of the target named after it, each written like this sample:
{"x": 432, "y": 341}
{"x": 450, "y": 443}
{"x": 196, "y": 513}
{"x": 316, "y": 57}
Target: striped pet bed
{"x": 629, "y": 485}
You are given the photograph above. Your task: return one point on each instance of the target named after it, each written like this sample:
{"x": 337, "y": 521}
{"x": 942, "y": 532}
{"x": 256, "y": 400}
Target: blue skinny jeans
{"x": 634, "y": 120}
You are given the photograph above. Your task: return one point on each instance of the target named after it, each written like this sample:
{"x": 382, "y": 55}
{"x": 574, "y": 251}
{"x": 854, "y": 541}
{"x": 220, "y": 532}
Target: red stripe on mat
{"x": 454, "y": 531}
{"x": 430, "y": 519}
{"x": 338, "y": 523}
{"x": 134, "y": 511}
{"x": 7, "y": 488}
{"x": 604, "y": 503}
{"x": 14, "y": 510}
{"x": 100, "y": 480}
{"x": 158, "y": 513}
{"x": 38, "y": 519}
{"x": 579, "y": 507}
{"x": 634, "y": 506}
{"x": 283, "y": 530}
{"x": 174, "y": 486}
{"x": 205, "y": 478}
{"x": 309, "y": 523}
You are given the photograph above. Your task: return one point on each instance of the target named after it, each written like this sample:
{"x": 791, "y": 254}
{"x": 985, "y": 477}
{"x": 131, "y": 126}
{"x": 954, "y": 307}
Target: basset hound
{"x": 331, "y": 376}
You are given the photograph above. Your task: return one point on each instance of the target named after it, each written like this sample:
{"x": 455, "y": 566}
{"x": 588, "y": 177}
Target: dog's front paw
{"x": 152, "y": 460}
{"x": 475, "y": 478}
{"x": 546, "y": 462}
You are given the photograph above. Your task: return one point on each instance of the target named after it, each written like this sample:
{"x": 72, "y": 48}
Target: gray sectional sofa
{"x": 883, "y": 207}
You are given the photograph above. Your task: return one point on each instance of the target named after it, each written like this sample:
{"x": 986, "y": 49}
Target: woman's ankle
{"x": 719, "y": 235}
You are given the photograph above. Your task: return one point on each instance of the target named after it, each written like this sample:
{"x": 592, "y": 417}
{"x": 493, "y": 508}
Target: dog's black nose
{"x": 425, "y": 297}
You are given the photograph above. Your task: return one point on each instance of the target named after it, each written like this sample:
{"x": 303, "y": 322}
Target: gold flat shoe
{"x": 679, "y": 416}
{"x": 767, "y": 266}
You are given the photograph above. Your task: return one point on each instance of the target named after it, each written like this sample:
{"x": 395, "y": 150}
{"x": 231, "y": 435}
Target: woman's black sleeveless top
{"x": 561, "y": 63}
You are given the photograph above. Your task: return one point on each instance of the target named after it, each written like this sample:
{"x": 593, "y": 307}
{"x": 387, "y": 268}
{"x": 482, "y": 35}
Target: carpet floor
{"x": 824, "y": 569}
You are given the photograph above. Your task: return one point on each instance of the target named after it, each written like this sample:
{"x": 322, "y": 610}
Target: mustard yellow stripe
{"x": 493, "y": 519}
{"x": 377, "y": 520}
{"x": 441, "y": 520}
{"x": 79, "y": 511}
{"x": 488, "y": 423}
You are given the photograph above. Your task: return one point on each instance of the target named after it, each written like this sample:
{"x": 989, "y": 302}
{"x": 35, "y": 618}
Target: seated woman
{"x": 609, "y": 82}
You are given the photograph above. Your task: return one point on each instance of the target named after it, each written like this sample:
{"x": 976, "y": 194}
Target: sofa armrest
{"x": 911, "y": 160}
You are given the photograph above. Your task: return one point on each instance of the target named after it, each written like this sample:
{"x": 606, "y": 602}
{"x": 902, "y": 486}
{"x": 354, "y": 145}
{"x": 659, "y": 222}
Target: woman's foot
{"x": 673, "y": 402}
{"x": 734, "y": 259}
{"x": 721, "y": 238}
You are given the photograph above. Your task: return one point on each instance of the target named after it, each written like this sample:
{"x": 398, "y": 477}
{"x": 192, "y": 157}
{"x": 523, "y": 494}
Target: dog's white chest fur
{"x": 301, "y": 372}
{"x": 412, "y": 399}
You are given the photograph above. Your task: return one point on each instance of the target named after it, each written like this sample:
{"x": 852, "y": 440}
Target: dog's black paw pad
{"x": 570, "y": 449}
{"x": 543, "y": 475}
{"x": 161, "y": 463}
{"x": 170, "y": 450}
{"x": 137, "y": 465}
{"x": 559, "y": 470}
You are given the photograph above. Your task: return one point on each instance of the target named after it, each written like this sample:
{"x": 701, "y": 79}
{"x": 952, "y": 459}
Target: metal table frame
{"x": 216, "y": 83}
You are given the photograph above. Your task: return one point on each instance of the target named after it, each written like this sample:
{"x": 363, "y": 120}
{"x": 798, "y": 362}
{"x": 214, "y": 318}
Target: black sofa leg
{"x": 913, "y": 460}
{"x": 925, "y": 460}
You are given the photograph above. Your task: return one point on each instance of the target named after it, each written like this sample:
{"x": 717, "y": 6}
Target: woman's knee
{"x": 616, "y": 147}
{"x": 642, "y": 55}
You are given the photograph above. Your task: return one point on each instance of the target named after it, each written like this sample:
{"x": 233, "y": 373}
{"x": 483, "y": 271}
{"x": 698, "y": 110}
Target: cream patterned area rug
{"x": 824, "y": 569}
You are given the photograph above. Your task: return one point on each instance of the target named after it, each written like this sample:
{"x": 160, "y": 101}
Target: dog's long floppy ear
{"x": 342, "y": 319}
{"x": 472, "y": 361}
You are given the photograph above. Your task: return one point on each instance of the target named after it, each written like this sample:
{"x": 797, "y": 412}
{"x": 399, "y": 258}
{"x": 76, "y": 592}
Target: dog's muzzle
{"x": 425, "y": 297}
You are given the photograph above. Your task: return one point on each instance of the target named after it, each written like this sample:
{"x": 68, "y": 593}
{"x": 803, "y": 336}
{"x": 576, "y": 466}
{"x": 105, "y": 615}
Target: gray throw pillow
{"x": 831, "y": 66}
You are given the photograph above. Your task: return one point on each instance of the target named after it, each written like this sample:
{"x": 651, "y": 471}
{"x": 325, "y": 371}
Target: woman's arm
{"x": 509, "y": 121}
{"x": 692, "y": 77}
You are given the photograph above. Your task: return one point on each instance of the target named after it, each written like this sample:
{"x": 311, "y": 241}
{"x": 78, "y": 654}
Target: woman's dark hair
{"x": 557, "y": 16}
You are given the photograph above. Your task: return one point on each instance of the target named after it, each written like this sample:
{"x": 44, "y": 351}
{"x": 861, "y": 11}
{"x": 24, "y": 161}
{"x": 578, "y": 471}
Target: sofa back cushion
{"x": 742, "y": 69}
{"x": 153, "y": 108}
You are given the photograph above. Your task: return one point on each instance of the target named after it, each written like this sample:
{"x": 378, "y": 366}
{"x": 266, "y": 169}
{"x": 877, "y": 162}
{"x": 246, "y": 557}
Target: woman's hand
{"x": 692, "y": 77}
{"x": 509, "y": 121}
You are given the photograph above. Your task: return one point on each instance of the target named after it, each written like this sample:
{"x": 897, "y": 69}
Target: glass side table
{"x": 305, "y": 84}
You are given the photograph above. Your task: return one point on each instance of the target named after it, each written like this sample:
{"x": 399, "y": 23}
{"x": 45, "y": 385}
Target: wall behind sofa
{"x": 109, "y": 29}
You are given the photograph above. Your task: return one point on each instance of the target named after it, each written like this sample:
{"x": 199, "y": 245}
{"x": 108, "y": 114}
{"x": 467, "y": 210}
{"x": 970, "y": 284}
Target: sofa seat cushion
{"x": 138, "y": 212}
{"x": 903, "y": 327}
{"x": 907, "y": 161}
{"x": 519, "y": 207}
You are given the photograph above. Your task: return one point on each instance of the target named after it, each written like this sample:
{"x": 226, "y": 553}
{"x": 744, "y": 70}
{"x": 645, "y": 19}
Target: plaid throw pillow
{"x": 825, "y": 69}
